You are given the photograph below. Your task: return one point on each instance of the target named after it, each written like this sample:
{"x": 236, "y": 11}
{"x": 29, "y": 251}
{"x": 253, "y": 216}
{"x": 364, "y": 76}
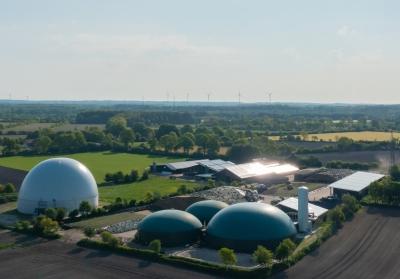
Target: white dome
{"x": 57, "y": 183}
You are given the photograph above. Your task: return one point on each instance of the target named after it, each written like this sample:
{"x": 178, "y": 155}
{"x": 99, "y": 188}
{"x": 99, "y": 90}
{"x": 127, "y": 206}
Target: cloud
{"x": 345, "y": 31}
{"x": 135, "y": 44}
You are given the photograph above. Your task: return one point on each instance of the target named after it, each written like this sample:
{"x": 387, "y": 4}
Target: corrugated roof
{"x": 184, "y": 164}
{"x": 314, "y": 210}
{"x": 357, "y": 181}
{"x": 258, "y": 169}
{"x": 216, "y": 165}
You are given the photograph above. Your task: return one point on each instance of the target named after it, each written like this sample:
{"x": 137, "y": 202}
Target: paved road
{"x": 56, "y": 259}
{"x": 367, "y": 247}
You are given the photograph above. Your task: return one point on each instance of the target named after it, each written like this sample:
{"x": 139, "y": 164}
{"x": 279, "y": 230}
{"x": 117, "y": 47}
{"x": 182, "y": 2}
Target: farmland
{"x": 357, "y": 136}
{"x": 352, "y": 253}
{"x": 99, "y": 163}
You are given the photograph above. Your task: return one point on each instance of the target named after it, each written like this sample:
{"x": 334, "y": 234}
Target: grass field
{"x": 100, "y": 222}
{"x": 99, "y": 163}
{"x": 138, "y": 190}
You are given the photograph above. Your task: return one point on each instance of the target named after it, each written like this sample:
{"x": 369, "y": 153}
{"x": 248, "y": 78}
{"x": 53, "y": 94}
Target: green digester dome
{"x": 172, "y": 227}
{"x": 243, "y": 226}
{"x": 205, "y": 210}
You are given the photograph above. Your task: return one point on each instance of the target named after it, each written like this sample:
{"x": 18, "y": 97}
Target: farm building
{"x": 243, "y": 226}
{"x": 204, "y": 167}
{"x": 172, "y": 227}
{"x": 355, "y": 184}
{"x": 291, "y": 205}
{"x": 205, "y": 210}
{"x": 257, "y": 172}
{"x": 57, "y": 183}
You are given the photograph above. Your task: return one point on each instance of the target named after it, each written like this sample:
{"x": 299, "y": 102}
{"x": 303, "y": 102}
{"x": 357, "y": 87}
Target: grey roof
{"x": 216, "y": 165}
{"x": 357, "y": 181}
{"x": 184, "y": 164}
{"x": 314, "y": 210}
{"x": 258, "y": 169}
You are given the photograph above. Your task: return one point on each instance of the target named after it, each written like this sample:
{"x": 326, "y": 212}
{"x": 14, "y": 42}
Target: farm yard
{"x": 367, "y": 247}
{"x": 101, "y": 163}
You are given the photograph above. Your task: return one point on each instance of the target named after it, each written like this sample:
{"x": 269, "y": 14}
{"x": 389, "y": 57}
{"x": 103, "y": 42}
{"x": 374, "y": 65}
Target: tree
{"x": 350, "y": 202}
{"x": 336, "y": 216}
{"x": 285, "y": 249}
{"x": 51, "y": 213}
{"x": 74, "y": 213}
{"x": 9, "y": 188}
{"x": 202, "y": 141}
{"x": 186, "y": 129}
{"x": 127, "y": 136}
{"x": 263, "y": 256}
{"x": 395, "y": 172}
{"x": 227, "y": 256}
{"x": 166, "y": 129}
{"x": 45, "y": 226}
{"x": 243, "y": 152}
{"x": 212, "y": 145}
{"x": 89, "y": 232}
{"x": 155, "y": 246}
{"x": 145, "y": 175}
{"x": 186, "y": 143}
{"x": 61, "y": 213}
{"x": 169, "y": 141}
{"x": 42, "y": 144}
{"x": 115, "y": 125}
{"x": 85, "y": 208}
{"x": 134, "y": 175}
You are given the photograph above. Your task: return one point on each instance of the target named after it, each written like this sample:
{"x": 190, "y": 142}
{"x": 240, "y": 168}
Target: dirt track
{"x": 367, "y": 247}
{"x": 56, "y": 259}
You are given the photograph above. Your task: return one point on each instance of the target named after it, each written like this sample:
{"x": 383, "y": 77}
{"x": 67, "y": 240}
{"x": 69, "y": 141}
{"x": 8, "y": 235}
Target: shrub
{"x": 145, "y": 175}
{"x": 89, "y": 232}
{"x": 74, "y": 213}
{"x": 336, "y": 216}
{"x": 285, "y": 249}
{"x": 9, "y": 188}
{"x": 44, "y": 226}
{"x": 60, "y": 215}
{"x": 155, "y": 245}
{"x": 85, "y": 208}
{"x": 106, "y": 236}
{"x": 263, "y": 256}
{"x": 51, "y": 213}
{"x": 227, "y": 256}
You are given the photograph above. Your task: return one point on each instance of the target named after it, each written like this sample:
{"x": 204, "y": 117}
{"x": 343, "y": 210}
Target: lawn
{"x": 138, "y": 190}
{"x": 100, "y": 222}
{"x": 99, "y": 163}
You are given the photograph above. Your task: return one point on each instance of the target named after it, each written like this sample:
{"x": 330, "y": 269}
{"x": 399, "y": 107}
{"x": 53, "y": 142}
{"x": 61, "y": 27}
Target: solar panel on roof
{"x": 357, "y": 181}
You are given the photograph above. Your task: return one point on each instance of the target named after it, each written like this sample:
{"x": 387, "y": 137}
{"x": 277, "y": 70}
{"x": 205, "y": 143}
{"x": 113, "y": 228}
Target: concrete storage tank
{"x": 205, "y": 210}
{"x": 302, "y": 215}
{"x": 57, "y": 183}
{"x": 172, "y": 227}
{"x": 243, "y": 226}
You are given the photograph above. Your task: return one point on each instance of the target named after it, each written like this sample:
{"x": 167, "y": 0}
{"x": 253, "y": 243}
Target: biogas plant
{"x": 241, "y": 226}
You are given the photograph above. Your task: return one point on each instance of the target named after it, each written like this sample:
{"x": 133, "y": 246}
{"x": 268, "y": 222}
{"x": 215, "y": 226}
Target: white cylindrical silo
{"x": 303, "y": 209}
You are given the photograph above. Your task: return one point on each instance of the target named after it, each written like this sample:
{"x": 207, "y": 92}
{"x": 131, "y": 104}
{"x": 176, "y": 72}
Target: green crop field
{"x": 139, "y": 189}
{"x": 99, "y": 163}
{"x": 357, "y": 136}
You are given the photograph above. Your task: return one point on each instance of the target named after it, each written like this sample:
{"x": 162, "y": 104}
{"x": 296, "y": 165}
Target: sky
{"x": 298, "y": 51}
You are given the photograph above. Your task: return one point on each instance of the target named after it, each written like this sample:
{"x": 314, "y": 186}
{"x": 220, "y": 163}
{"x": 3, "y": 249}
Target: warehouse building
{"x": 355, "y": 184}
{"x": 193, "y": 167}
{"x": 57, "y": 183}
{"x": 291, "y": 205}
{"x": 257, "y": 172}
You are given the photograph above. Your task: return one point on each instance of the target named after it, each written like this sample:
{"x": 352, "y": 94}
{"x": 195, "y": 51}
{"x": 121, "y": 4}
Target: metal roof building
{"x": 257, "y": 171}
{"x": 57, "y": 183}
{"x": 176, "y": 166}
{"x": 356, "y": 183}
{"x": 216, "y": 165}
{"x": 243, "y": 226}
{"x": 292, "y": 204}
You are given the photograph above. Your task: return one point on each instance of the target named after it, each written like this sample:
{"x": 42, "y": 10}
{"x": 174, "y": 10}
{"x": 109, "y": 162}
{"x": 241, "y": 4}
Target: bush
{"x": 285, "y": 249}
{"x": 336, "y": 216}
{"x": 9, "y": 188}
{"x": 89, "y": 232}
{"x": 145, "y": 175}
{"x": 44, "y": 226}
{"x": 74, "y": 213}
{"x": 106, "y": 236}
{"x": 61, "y": 214}
{"x": 22, "y": 226}
{"x": 155, "y": 245}
{"x": 51, "y": 213}
{"x": 227, "y": 256}
{"x": 85, "y": 208}
{"x": 263, "y": 256}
